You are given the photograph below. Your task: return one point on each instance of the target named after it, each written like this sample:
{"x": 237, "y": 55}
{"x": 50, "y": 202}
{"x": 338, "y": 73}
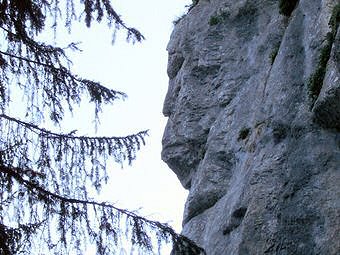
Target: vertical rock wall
{"x": 259, "y": 154}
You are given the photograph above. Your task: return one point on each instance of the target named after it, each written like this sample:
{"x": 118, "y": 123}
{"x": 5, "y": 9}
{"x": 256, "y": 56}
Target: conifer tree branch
{"x": 52, "y": 135}
{"x": 112, "y": 16}
{"x": 93, "y": 86}
{"x": 29, "y": 60}
{"x": 180, "y": 242}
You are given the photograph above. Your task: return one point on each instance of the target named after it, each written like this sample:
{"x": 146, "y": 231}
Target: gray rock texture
{"x": 260, "y": 161}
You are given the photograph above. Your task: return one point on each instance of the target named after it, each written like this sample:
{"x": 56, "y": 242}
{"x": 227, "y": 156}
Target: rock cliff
{"x": 253, "y": 109}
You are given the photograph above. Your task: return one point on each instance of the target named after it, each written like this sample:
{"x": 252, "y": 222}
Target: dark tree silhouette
{"x": 45, "y": 176}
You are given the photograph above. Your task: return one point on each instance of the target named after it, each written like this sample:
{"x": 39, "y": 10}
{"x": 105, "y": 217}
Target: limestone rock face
{"x": 260, "y": 161}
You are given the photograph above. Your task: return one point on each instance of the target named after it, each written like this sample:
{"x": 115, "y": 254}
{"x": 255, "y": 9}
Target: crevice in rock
{"x": 239, "y": 213}
{"x": 316, "y": 80}
{"x": 281, "y": 131}
{"x": 221, "y": 163}
{"x": 176, "y": 61}
{"x": 235, "y": 220}
{"x": 287, "y": 6}
{"x": 244, "y": 133}
{"x": 326, "y": 109}
{"x": 202, "y": 72}
{"x": 272, "y": 57}
{"x": 197, "y": 207}
{"x": 266, "y": 81}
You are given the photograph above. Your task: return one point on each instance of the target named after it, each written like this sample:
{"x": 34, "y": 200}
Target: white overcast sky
{"x": 140, "y": 71}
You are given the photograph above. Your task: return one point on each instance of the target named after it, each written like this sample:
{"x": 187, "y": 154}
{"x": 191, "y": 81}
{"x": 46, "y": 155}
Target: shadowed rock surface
{"x": 260, "y": 159}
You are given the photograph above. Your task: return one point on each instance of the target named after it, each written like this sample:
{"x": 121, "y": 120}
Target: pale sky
{"x": 140, "y": 71}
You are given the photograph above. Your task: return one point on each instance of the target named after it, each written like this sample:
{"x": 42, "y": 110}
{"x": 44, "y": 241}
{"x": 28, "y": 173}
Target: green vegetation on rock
{"x": 273, "y": 54}
{"x": 215, "y": 19}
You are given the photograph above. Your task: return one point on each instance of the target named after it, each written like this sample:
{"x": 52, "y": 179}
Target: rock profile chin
{"x": 253, "y": 109}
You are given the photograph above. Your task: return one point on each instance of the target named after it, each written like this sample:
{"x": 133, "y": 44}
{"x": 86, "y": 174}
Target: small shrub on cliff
{"x": 287, "y": 6}
{"x": 201, "y": 152}
{"x": 214, "y": 20}
{"x": 193, "y": 4}
{"x": 177, "y": 20}
{"x": 273, "y": 54}
{"x": 219, "y": 17}
{"x": 189, "y": 6}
